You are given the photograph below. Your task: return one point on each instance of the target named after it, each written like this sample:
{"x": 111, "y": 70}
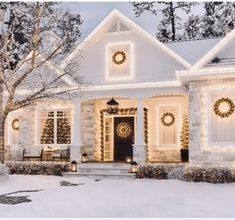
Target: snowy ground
{"x": 118, "y": 198}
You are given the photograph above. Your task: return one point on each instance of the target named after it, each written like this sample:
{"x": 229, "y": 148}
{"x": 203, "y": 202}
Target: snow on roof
{"x": 193, "y": 50}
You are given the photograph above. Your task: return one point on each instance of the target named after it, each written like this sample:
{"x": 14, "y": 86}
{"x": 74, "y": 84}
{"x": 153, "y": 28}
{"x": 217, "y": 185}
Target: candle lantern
{"x": 84, "y": 158}
{"x": 74, "y": 166}
{"x": 134, "y": 167}
{"x": 128, "y": 159}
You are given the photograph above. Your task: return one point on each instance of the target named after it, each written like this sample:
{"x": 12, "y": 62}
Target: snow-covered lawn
{"x": 118, "y": 198}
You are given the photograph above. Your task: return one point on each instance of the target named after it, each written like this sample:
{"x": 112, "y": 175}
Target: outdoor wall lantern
{"x": 134, "y": 167}
{"x": 112, "y": 106}
{"x": 128, "y": 159}
{"x": 74, "y": 166}
{"x": 84, "y": 158}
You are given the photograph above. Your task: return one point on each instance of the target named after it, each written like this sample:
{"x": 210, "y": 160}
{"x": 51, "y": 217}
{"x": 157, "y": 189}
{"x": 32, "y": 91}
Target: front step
{"x": 102, "y": 170}
{"x": 100, "y": 175}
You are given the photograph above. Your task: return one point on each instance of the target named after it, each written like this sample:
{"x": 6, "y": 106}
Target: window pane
{"x": 222, "y": 127}
{"x": 63, "y": 131}
{"x": 47, "y": 130}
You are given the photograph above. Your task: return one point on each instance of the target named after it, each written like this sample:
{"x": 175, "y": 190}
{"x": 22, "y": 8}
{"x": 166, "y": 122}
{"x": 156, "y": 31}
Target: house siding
{"x": 151, "y": 63}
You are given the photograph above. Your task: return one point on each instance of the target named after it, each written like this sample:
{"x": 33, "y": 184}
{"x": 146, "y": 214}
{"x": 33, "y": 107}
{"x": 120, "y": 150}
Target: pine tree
{"x": 184, "y": 137}
{"x": 171, "y": 22}
{"x": 63, "y": 131}
{"x": 192, "y": 28}
{"x": 48, "y": 132}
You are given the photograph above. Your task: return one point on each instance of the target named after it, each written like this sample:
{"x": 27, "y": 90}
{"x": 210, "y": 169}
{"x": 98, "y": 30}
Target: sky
{"x": 93, "y": 13}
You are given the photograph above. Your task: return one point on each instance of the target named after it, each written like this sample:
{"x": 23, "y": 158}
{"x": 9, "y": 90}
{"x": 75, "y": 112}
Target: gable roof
{"x": 133, "y": 26}
{"x": 214, "y": 51}
{"x": 193, "y": 50}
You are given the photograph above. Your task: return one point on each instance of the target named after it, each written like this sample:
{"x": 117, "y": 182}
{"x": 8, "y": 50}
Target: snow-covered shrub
{"x": 208, "y": 174}
{"x": 159, "y": 171}
{"x": 176, "y": 173}
{"x": 3, "y": 172}
{"x": 37, "y": 167}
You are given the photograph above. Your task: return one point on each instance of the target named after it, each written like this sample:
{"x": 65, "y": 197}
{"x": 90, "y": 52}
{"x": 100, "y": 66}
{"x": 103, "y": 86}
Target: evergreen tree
{"x": 192, "y": 28}
{"x": 63, "y": 131}
{"x": 48, "y": 132}
{"x": 171, "y": 22}
{"x": 184, "y": 137}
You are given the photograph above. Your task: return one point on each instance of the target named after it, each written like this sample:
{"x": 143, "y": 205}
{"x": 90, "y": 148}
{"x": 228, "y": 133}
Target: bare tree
{"x": 33, "y": 37}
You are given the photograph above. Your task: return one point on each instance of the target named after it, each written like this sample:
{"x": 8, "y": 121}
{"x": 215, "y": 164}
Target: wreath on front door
{"x": 124, "y": 130}
{"x": 227, "y": 113}
{"x": 119, "y": 57}
{"x": 169, "y": 122}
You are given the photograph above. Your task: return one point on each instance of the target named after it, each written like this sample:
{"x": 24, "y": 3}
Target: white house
{"x": 156, "y": 86}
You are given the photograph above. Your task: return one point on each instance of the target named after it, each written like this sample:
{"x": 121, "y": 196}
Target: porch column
{"x": 75, "y": 148}
{"x": 139, "y": 146}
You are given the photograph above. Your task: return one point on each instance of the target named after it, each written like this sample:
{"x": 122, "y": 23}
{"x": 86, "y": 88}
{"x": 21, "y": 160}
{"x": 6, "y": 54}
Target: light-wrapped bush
{"x": 3, "y": 172}
{"x": 37, "y": 167}
{"x": 208, "y": 174}
{"x": 159, "y": 171}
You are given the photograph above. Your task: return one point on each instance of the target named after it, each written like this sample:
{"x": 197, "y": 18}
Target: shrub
{"x": 3, "y": 172}
{"x": 208, "y": 174}
{"x": 37, "y": 167}
{"x": 159, "y": 171}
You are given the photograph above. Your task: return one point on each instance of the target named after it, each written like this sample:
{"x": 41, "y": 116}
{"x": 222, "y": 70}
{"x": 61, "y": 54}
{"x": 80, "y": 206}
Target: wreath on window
{"x": 169, "y": 122}
{"x": 224, "y": 114}
{"x": 124, "y": 130}
{"x": 15, "y": 124}
{"x": 119, "y": 57}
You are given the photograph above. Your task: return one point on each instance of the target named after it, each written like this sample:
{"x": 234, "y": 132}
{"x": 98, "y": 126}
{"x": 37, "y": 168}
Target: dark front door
{"x": 123, "y": 137}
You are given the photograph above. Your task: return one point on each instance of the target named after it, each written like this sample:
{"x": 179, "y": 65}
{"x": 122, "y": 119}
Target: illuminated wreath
{"x": 15, "y": 124}
{"x": 124, "y": 130}
{"x": 226, "y": 114}
{"x": 119, "y": 57}
{"x": 171, "y": 122}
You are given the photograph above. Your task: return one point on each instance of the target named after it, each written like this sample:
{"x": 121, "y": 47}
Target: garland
{"x": 168, "y": 124}
{"x": 119, "y": 53}
{"x": 227, "y": 113}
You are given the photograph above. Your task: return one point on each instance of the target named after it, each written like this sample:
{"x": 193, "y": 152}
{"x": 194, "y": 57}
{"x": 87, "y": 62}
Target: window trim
{"x": 108, "y": 75}
{"x": 55, "y": 126}
{"x": 178, "y": 126}
{"x": 210, "y": 117}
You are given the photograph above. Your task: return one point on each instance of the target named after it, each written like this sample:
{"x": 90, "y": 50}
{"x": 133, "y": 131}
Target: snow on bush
{"x": 159, "y": 171}
{"x": 187, "y": 173}
{"x": 37, "y": 167}
{"x": 208, "y": 174}
{"x": 3, "y": 172}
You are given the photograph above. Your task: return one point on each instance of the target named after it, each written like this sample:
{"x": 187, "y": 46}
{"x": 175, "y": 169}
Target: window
{"x": 55, "y": 127}
{"x": 168, "y": 119}
{"x": 119, "y": 61}
{"x": 222, "y": 128}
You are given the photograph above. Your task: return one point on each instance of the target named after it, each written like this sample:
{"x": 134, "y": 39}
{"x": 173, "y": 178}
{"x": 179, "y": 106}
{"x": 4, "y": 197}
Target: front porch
{"x": 131, "y": 133}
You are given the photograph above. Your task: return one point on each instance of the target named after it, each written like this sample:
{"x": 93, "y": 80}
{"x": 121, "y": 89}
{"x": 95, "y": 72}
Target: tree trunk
{"x": 2, "y": 140}
{"x": 172, "y": 17}
{"x": 2, "y": 127}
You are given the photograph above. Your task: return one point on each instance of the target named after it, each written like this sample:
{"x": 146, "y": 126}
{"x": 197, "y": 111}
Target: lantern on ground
{"x": 74, "y": 166}
{"x": 134, "y": 167}
{"x": 128, "y": 159}
{"x": 112, "y": 106}
{"x": 84, "y": 158}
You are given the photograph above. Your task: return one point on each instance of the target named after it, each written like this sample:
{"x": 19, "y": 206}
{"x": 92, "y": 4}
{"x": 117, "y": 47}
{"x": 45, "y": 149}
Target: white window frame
{"x": 108, "y": 75}
{"x": 55, "y": 126}
{"x": 209, "y": 121}
{"x": 178, "y": 126}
